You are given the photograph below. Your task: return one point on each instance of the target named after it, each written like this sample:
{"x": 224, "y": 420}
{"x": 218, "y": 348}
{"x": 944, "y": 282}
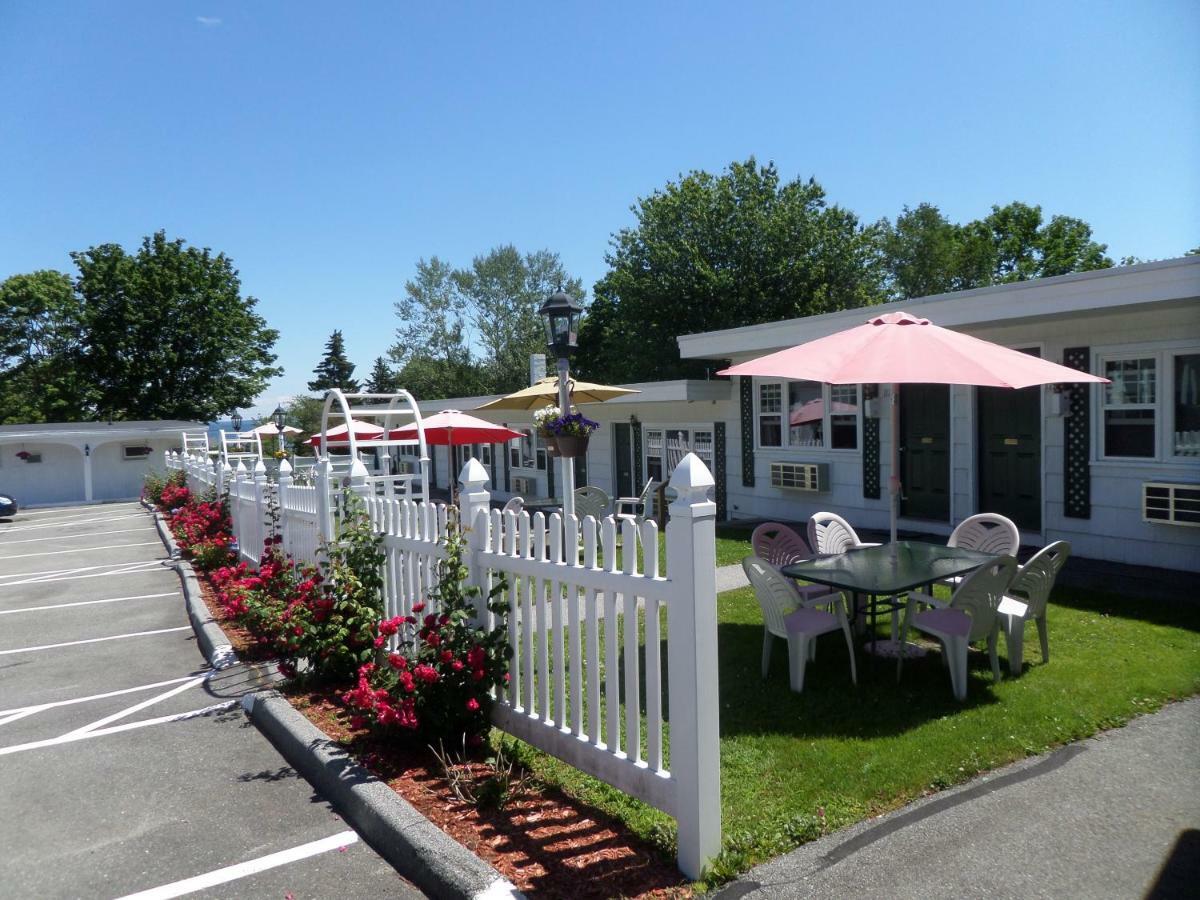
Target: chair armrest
{"x": 928, "y": 600}
{"x": 861, "y": 545}
{"x": 823, "y": 600}
{"x": 632, "y": 502}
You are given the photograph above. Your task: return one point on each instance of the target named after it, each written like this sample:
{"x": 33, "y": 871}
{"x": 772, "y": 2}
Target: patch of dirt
{"x": 544, "y": 842}
{"x": 244, "y": 643}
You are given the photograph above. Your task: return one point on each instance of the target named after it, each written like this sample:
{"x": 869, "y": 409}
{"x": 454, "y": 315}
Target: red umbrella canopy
{"x": 453, "y": 427}
{"x": 899, "y": 348}
{"x": 363, "y": 431}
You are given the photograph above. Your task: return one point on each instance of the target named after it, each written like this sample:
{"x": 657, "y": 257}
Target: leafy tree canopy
{"x": 334, "y": 370}
{"x": 720, "y": 251}
{"x": 382, "y": 379}
{"x": 161, "y": 333}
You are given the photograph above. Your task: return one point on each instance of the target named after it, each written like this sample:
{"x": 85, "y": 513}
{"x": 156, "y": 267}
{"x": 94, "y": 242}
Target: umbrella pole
{"x": 450, "y": 461}
{"x": 568, "y": 465}
{"x": 894, "y": 477}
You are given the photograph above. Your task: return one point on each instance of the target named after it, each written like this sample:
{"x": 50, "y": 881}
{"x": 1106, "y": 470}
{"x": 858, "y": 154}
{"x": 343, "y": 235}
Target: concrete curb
{"x": 215, "y": 646}
{"x": 416, "y": 848}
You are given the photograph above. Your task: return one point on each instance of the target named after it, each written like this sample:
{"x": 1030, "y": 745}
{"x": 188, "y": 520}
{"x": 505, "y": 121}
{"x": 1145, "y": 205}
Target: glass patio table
{"x": 884, "y": 572}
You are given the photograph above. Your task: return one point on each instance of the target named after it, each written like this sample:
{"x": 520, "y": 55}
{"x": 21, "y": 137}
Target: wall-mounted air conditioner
{"x": 525, "y": 486}
{"x": 1171, "y": 504}
{"x": 795, "y": 476}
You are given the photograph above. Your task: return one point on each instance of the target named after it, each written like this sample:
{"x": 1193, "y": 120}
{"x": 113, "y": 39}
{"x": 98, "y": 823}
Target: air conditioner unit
{"x": 407, "y": 466}
{"x": 524, "y": 485}
{"x": 794, "y": 476}
{"x": 1171, "y": 504}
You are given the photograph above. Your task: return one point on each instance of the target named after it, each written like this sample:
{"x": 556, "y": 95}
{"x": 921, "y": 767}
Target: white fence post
{"x": 260, "y": 506}
{"x": 236, "y": 510}
{"x": 285, "y": 528}
{"x": 692, "y": 655}
{"x": 324, "y": 501}
{"x": 474, "y": 499}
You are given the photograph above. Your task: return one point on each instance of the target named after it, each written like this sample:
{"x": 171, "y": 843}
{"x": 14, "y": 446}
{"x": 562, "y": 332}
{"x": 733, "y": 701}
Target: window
{"x": 820, "y": 416}
{"x": 1129, "y": 406}
{"x": 665, "y": 447}
{"x": 135, "y": 452}
{"x": 770, "y": 409}
{"x": 523, "y": 454}
{"x": 1186, "y": 420}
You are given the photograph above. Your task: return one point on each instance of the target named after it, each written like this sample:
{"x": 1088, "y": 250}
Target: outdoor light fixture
{"x": 278, "y": 416}
{"x": 236, "y": 420}
{"x": 87, "y": 450}
{"x": 562, "y": 323}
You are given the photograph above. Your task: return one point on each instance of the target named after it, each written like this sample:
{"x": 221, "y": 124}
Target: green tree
{"x": 305, "y": 413}
{"x": 431, "y": 345}
{"x": 719, "y": 251}
{"x": 502, "y": 292}
{"x": 167, "y": 332}
{"x": 922, "y": 252}
{"x": 41, "y": 341}
{"x": 334, "y": 370}
{"x": 382, "y": 379}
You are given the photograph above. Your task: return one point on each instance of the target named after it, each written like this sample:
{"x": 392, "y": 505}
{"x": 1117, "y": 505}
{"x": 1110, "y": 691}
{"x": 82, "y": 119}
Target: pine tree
{"x": 334, "y": 370}
{"x": 382, "y": 379}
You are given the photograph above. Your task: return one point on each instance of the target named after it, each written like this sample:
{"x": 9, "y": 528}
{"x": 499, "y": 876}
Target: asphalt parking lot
{"x": 127, "y": 766}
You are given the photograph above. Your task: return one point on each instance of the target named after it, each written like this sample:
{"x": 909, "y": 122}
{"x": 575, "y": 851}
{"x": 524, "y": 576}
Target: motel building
{"x": 1114, "y": 469}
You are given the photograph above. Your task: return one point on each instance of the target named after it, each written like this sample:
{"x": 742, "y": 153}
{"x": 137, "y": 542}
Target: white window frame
{"x": 139, "y": 457}
{"x": 785, "y": 430}
{"x": 535, "y": 443}
{"x": 691, "y": 429}
{"x": 1163, "y": 353}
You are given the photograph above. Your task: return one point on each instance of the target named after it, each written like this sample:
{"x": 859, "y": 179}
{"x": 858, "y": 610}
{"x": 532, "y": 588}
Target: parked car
{"x": 8, "y": 505}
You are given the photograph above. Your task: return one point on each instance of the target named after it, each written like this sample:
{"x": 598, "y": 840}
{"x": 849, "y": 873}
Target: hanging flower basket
{"x": 572, "y": 446}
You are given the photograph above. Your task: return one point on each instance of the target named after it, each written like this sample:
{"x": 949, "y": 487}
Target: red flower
{"x": 473, "y": 704}
{"x": 419, "y": 607}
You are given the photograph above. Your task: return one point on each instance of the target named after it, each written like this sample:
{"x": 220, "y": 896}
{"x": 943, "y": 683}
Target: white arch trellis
{"x": 388, "y": 411}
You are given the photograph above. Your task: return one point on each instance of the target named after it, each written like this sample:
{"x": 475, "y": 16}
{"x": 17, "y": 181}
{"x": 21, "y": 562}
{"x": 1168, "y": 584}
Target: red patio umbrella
{"x": 898, "y": 348}
{"x": 363, "y": 431}
{"x": 451, "y": 428}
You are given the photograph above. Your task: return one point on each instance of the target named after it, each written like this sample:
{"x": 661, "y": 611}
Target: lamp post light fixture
{"x": 279, "y": 417}
{"x": 562, "y": 338}
{"x": 236, "y": 420}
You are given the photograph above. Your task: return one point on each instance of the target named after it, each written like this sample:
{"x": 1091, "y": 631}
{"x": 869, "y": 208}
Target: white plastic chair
{"x": 1031, "y": 587}
{"x": 780, "y": 545}
{"x": 971, "y": 615}
{"x": 989, "y": 533}
{"x": 591, "y": 501}
{"x": 829, "y": 534}
{"x": 788, "y": 615}
{"x": 635, "y": 507}
{"x": 514, "y": 505}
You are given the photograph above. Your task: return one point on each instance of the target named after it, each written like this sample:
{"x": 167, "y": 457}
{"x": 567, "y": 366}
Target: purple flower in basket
{"x": 572, "y": 425}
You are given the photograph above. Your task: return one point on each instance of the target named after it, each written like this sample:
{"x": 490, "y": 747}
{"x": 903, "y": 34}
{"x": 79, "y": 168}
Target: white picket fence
{"x": 587, "y": 627}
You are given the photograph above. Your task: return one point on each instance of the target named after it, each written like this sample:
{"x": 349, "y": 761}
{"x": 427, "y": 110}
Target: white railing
{"x": 588, "y": 624}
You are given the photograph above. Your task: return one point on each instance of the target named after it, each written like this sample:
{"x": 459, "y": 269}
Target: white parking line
{"x": 25, "y": 609}
{"x": 72, "y": 574}
{"x": 15, "y": 528}
{"x": 38, "y": 540}
{"x": 114, "y": 637}
{"x": 38, "y": 707}
{"x": 80, "y": 550}
{"x": 116, "y": 729}
{"x": 241, "y": 870}
{"x": 138, "y": 707}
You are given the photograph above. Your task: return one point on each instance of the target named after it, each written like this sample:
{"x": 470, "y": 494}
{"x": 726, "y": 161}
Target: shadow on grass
{"x": 1170, "y": 611}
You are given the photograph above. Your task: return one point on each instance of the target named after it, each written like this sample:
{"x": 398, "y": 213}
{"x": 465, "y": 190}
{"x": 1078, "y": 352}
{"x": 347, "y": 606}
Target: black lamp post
{"x": 278, "y": 417}
{"x": 236, "y": 420}
{"x": 562, "y": 337}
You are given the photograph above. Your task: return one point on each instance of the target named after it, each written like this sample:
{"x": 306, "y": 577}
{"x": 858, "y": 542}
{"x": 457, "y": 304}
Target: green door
{"x": 925, "y": 451}
{"x": 1010, "y": 454}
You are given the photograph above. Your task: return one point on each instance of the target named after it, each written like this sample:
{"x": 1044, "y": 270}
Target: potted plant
{"x": 571, "y": 434}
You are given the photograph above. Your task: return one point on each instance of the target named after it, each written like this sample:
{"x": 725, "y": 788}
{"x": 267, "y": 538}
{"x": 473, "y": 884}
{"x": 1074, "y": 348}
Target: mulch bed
{"x": 543, "y": 841}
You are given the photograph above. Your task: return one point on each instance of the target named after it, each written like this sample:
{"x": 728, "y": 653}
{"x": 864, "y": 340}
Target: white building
{"x": 82, "y": 462}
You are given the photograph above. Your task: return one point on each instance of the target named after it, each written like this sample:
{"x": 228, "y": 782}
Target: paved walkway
{"x": 126, "y": 765}
{"x": 1114, "y": 816}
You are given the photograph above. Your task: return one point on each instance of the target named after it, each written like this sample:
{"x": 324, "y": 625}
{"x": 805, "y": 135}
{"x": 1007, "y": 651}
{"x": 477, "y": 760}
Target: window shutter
{"x": 1077, "y": 465}
{"x": 746, "y": 390}
{"x": 719, "y": 470}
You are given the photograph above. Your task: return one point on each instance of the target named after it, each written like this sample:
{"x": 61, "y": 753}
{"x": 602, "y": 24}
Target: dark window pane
{"x": 770, "y": 432}
{"x": 1187, "y": 405}
{"x": 844, "y": 431}
{"x": 1129, "y": 432}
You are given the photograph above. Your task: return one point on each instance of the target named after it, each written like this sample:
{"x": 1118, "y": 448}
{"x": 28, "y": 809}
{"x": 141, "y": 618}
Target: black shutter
{"x": 494, "y": 464}
{"x": 719, "y": 470}
{"x": 870, "y": 456}
{"x": 550, "y": 461}
{"x": 581, "y": 470}
{"x": 746, "y": 389}
{"x": 637, "y": 458}
{"x": 1077, "y": 456}
{"x": 507, "y": 474}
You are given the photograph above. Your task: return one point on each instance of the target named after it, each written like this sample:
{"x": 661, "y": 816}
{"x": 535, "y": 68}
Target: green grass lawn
{"x": 796, "y": 766}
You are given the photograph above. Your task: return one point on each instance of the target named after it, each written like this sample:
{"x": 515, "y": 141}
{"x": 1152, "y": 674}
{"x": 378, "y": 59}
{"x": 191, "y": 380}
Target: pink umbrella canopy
{"x": 899, "y": 348}
{"x": 814, "y": 411}
{"x": 451, "y": 427}
{"x": 363, "y": 431}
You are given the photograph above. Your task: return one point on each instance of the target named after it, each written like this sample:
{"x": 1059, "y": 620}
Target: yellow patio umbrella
{"x": 545, "y": 393}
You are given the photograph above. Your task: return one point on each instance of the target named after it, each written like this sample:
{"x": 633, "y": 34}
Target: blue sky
{"x": 326, "y": 147}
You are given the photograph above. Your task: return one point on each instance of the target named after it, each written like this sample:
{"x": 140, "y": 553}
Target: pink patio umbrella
{"x": 363, "y": 431}
{"x": 814, "y": 411}
{"x": 451, "y": 428}
{"x": 898, "y": 348}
